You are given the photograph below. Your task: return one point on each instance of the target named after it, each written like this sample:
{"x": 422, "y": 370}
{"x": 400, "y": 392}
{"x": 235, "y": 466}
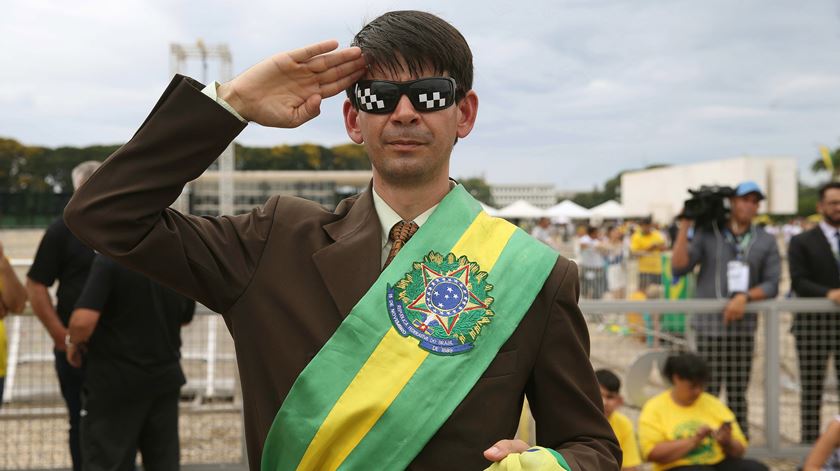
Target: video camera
{"x": 707, "y": 204}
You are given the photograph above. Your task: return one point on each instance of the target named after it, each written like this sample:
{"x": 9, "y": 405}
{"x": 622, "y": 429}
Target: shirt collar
{"x": 829, "y": 231}
{"x": 388, "y": 217}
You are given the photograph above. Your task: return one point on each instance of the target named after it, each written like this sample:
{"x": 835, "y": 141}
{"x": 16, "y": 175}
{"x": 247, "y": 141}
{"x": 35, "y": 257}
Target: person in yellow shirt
{"x": 610, "y": 386}
{"x": 647, "y": 244}
{"x": 687, "y": 429}
{"x": 12, "y": 299}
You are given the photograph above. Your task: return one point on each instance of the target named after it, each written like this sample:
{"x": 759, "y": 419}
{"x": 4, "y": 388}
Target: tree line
{"x": 38, "y": 169}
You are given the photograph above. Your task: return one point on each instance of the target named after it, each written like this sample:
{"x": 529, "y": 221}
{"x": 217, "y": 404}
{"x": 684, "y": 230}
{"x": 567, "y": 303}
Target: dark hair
{"x": 828, "y": 186}
{"x": 608, "y": 380}
{"x": 591, "y": 230}
{"x": 421, "y": 40}
{"x": 688, "y": 366}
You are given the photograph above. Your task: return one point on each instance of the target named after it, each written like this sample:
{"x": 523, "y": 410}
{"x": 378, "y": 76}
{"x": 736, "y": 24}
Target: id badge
{"x": 737, "y": 277}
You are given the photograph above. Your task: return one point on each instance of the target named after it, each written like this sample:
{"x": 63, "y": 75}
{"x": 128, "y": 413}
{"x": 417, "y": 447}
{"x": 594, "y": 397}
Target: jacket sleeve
{"x": 563, "y": 392}
{"x": 801, "y": 272}
{"x": 695, "y": 253}
{"x": 771, "y": 271}
{"x": 123, "y": 208}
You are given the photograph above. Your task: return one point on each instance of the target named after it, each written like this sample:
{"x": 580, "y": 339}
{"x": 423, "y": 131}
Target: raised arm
{"x": 122, "y": 210}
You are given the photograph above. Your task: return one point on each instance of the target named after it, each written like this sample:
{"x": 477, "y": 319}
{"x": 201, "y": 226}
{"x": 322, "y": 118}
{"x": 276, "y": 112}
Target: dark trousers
{"x": 729, "y": 464}
{"x": 647, "y": 279}
{"x": 114, "y": 429}
{"x": 70, "y": 380}
{"x": 593, "y": 282}
{"x": 730, "y": 361}
{"x": 813, "y": 350}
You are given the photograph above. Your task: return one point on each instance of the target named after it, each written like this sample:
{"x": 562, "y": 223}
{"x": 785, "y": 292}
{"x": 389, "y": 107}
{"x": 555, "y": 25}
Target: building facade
{"x": 253, "y": 188}
{"x": 541, "y": 195}
{"x": 661, "y": 192}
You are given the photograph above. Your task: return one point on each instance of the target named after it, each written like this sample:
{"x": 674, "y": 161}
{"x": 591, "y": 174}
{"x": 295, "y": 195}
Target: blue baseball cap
{"x": 747, "y": 187}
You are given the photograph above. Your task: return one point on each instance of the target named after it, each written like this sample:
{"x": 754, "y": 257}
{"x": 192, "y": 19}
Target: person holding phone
{"x": 687, "y": 429}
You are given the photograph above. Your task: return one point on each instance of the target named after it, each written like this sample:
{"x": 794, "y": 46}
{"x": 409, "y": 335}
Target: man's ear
{"x": 467, "y": 112}
{"x": 351, "y": 122}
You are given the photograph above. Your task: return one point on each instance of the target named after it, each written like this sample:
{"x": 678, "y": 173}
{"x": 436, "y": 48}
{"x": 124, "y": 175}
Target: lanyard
{"x": 740, "y": 243}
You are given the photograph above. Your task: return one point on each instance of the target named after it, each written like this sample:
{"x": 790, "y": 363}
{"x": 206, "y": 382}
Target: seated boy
{"x": 621, "y": 425}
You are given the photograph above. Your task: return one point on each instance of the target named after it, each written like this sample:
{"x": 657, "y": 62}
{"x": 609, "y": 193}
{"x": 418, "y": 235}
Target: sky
{"x": 570, "y": 91}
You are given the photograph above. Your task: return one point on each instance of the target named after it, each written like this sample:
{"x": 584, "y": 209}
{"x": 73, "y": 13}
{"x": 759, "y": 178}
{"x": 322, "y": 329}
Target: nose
{"x": 404, "y": 113}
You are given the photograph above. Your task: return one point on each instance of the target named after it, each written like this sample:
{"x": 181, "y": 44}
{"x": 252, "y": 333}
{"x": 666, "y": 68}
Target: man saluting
{"x": 401, "y": 330}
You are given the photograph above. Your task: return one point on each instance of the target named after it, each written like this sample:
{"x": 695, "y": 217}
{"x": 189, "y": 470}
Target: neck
{"x": 834, "y": 224}
{"x": 738, "y": 227}
{"x": 678, "y": 400}
{"x": 410, "y": 202}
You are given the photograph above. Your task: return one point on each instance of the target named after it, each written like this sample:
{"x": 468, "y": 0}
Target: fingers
{"x": 344, "y": 69}
{"x": 308, "y": 52}
{"x": 502, "y": 448}
{"x": 337, "y": 86}
{"x": 310, "y": 109}
{"x": 334, "y": 59}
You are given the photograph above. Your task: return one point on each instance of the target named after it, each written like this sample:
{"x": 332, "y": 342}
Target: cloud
{"x": 570, "y": 92}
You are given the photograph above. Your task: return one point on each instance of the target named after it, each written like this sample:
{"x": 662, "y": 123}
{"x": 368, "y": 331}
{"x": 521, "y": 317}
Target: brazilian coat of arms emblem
{"x": 443, "y": 302}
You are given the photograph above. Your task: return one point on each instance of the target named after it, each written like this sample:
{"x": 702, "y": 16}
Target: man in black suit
{"x": 814, "y": 259}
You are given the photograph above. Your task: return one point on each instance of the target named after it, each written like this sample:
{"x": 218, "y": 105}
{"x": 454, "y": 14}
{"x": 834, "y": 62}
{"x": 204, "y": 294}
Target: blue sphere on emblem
{"x": 446, "y": 296}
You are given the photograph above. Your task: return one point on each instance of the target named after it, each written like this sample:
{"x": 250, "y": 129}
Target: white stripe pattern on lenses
{"x": 435, "y": 101}
{"x": 368, "y": 100}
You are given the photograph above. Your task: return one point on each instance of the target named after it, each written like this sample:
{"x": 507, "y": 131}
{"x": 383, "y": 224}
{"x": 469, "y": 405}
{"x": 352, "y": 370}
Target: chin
{"x": 407, "y": 173}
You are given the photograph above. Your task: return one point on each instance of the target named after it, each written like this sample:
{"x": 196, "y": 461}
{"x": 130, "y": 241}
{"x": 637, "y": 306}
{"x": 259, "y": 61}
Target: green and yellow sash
{"x": 414, "y": 345}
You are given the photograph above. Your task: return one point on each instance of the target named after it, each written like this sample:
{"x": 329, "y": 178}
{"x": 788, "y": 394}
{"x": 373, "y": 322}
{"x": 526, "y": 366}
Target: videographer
{"x": 738, "y": 261}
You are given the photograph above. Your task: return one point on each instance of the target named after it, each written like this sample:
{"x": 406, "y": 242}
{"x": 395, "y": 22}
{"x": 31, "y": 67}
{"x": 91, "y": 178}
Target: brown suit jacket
{"x": 285, "y": 275}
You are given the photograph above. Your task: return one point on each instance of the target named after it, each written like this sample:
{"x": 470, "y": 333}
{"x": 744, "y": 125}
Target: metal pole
{"x": 772, "y": 386}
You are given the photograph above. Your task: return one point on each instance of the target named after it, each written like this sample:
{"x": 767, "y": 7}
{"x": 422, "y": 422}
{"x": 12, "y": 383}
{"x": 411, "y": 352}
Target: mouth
{"x": 404, "y": 144}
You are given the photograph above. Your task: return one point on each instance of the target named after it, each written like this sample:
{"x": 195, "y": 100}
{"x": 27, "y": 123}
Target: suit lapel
{"x": 824, "y": 247}
{"x": 351, "y": 264}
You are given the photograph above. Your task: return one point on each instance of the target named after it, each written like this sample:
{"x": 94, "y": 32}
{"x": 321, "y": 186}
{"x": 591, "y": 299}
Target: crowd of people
{"x": 738, "y": 260}
{"x": 116, "y": 342}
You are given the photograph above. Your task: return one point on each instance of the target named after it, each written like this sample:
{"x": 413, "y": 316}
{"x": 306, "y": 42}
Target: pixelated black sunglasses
{"x": 426, "y": 94}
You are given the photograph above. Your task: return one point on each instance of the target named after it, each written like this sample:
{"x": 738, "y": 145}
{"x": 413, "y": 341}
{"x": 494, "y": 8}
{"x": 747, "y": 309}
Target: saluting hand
{"x": 286, "y": 89}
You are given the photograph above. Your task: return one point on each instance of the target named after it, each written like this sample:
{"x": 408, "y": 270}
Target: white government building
{"x": 541, "y": 195}
{"x": 661, "y": 192}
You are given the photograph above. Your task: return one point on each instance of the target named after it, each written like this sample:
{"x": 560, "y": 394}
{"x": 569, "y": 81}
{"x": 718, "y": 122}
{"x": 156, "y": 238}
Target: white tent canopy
{"x": 520, "y": 209}
{"x": 609, "y": 210}
{"x": 568, "y": 209}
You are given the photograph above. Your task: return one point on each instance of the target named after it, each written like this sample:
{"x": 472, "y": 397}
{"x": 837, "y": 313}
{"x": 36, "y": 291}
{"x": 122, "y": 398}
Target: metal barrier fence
{"x": 624, "y": 280}
{"x": 628, "y": 338}
{"x": 33, "y": 418}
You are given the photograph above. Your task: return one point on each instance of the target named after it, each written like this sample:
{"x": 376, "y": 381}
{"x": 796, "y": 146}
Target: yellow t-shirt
{"x": 651, "y": 263}
{"x": 623, "y": 429}
{"x": 664, "y": 420}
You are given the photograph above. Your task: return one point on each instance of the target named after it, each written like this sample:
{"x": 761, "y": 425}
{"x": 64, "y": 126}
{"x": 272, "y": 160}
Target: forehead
{"x": 832, "y": 194}
{"x": 606, "y": 392}
{"x": 399, "y": 71}
{"x": 748, "y": 198}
